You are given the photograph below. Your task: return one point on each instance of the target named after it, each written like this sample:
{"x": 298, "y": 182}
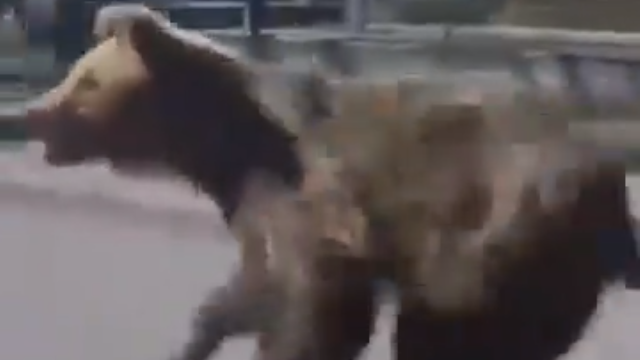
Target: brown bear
{"x": 490, "y": 238}
{"x": 118, "y": 80}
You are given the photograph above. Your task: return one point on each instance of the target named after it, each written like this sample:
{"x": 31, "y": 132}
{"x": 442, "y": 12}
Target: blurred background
{"x": 587, "y": 49}
{"x": 39, "y": 30}
{"x": 62, "y": 26}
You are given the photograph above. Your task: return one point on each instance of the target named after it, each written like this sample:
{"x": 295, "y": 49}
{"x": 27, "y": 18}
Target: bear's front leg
{"x": 327, "y": 315}
{"x": 243, "y": 306}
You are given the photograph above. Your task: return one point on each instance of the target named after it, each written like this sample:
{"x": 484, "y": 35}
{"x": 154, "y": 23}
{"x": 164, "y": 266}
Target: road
{"x": 84, "y": 278}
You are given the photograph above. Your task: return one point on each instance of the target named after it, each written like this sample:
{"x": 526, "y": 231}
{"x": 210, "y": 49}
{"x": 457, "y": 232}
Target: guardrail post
{"x": 255, "y": 16}
{"x": 357, "y": 15}
{"x": 261, "y": 47}
{"x": 336, "y": 56}
{"x": 521, "y": 67}
{"x": 569, "y": 65}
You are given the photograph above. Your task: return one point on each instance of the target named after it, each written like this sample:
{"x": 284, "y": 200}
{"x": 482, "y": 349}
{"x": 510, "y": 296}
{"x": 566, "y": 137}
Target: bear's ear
{"x": 146, "y": 31}
{"x": 152, "y": 38}
{"x": 111, "y": 19}
{"x": 170, "y": 52}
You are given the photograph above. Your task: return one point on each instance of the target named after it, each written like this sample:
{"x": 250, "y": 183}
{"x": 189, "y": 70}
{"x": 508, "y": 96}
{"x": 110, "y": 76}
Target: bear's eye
{"x": 88, "y": 82}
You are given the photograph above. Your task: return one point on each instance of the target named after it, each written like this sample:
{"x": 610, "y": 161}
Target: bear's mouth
{"x": 56, "y": 155}
{"x": 68, "y": 142}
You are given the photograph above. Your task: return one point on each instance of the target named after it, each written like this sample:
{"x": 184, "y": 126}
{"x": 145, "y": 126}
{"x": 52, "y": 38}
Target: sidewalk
{"x": 22, "y": 168}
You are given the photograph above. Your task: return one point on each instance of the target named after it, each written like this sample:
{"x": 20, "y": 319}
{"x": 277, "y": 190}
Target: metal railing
{"x": 574, "y": 61}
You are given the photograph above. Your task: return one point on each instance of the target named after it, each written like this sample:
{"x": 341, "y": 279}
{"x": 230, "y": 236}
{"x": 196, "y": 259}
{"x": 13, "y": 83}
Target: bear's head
{"x": 128, "y": 96}
{"x": 151, "y": 93}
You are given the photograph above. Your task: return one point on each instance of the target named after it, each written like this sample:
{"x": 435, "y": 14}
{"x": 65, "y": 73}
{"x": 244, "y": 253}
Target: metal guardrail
{"x": 599, "y": 72}
{"x": 527, "y": 53}
{"x": 596, "y": 74}
{"x": 523, "y": 51}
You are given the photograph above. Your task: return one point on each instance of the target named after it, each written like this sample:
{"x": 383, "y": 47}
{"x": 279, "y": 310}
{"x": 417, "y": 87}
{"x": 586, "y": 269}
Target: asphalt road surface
{"x": 83, "y": 278}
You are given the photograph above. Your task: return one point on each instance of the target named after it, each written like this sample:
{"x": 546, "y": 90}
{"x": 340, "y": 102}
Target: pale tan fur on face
{"x": 99, "y": 79}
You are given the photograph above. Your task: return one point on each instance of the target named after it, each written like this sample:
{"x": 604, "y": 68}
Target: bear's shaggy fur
{"x": 489, "y": 234}
{"x": 107, "y": 108}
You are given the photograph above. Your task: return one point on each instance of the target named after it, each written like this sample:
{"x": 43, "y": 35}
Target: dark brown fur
{"x": 490, "y": 236}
